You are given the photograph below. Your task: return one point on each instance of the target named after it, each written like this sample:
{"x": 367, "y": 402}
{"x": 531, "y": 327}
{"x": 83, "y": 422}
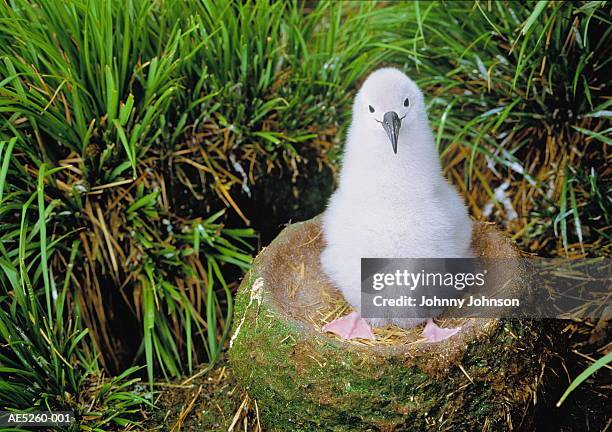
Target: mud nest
{"x": 484, "y": 378}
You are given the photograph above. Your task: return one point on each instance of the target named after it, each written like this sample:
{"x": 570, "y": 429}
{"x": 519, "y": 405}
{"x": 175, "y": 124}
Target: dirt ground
{"x": 209, "y": 400}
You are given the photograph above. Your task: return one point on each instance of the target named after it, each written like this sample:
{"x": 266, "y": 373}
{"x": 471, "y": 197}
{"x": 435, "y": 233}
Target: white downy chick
{"x": 392, "y": 200}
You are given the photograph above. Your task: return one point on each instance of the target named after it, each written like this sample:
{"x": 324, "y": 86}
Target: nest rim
{"x": 487, "y": 241}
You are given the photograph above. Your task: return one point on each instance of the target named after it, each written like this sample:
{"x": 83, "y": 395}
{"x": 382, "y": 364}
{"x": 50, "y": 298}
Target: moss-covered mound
{"x": 484, "y": 378}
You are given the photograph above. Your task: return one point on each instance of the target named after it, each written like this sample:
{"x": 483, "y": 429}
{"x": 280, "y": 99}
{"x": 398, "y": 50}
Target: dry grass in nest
{"x": 298, "y": 286}
{"x": 334, "y": 307}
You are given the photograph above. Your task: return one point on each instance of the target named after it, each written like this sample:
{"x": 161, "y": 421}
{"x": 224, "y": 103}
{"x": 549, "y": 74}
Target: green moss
{"x": 303, "y": 385}
{"x": 304, "y": 381}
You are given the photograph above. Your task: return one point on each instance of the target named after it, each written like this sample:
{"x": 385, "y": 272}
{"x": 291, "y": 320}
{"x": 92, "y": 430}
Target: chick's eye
{"x": 371, "y": 108}
{"x": 406, "y": 102}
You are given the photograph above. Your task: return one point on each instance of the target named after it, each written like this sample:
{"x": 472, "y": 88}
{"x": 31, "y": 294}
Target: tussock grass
{"x": 519, "y": 98}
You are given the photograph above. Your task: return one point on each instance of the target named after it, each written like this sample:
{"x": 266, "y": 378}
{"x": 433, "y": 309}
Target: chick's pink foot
{"x": 350, "y": 326}
{"x": 433, "y": 333}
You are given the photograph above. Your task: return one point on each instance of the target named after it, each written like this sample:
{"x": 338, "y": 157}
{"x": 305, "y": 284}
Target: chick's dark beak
{"x": 391, "y": 124}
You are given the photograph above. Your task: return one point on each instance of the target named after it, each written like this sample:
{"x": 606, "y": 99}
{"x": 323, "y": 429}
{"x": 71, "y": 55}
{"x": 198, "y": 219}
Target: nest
{"x": 333, "y": 306}
{"x": 307, "y": 380}
{"x": 298, "y": 287}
